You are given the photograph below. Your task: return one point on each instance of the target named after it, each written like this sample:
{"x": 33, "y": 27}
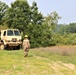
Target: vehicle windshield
{"x": 13, "y": 33}
{"x": 16, "y": 32}
{"x": 10, "y": 33}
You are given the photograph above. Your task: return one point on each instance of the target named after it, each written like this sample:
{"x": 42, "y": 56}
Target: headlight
{"x": 7, "y": 40}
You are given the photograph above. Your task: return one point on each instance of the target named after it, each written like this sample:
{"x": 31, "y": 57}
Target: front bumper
{"x": 13, "y": 43}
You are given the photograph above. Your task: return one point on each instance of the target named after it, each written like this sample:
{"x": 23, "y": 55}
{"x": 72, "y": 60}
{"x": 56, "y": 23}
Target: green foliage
{"x": 66, "y": 34}
{"x": 72, "y": 38}
{"x": 36, "y": 17}
{"x": 52, "y": 19}
{"x": 41, "y": 31}
{"x": 19, "y": 15}
{"x": 3, "y": 9}
{"x": 66, "y": 29}
{"x": 27, "y": 19}
{"x": 72, "y": 28}
{"x": 3, "y": 27}
{"x": 66, "y": 39}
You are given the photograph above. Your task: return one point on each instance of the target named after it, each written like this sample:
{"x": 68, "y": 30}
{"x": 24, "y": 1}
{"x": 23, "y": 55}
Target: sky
{"x": 65, "y": 8}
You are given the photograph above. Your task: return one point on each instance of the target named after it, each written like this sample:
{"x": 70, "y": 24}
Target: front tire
{"x": 18, "y": 47}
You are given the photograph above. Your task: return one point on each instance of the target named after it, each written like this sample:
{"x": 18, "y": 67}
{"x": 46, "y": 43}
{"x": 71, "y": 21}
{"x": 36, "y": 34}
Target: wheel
{"x": 18, "y": 47}
{"x": 2, "y": 47}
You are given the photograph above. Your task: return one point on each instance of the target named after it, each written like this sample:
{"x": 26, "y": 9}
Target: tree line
{"x": 42, "y": 30}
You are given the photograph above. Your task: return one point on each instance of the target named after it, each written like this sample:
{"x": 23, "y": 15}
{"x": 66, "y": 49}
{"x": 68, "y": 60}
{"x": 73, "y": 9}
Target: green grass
{"x": 38, "y": 62}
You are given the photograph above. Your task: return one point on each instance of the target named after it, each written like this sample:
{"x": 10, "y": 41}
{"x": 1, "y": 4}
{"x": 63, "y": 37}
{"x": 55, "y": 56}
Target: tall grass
{"x": 58, "y": 53}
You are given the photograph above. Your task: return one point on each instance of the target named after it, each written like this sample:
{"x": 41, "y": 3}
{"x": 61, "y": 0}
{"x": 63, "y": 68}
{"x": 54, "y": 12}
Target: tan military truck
{"x": 10, "y": 38}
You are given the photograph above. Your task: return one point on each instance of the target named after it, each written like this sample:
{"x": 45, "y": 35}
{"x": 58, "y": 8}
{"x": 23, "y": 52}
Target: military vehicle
{"x": 10, "y": 39}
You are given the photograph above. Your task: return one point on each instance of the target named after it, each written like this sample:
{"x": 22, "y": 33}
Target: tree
{"x": 3, "y": 9}
{"x": 35, "y": 27}
{"x": 27, "y": 19}
{"x": 36, "y": 17}
{"x": 67, "y": 28}
{"x": 72, "y": 28}
{"x": 52, "y": 19}
{"x": 18, "y": 15}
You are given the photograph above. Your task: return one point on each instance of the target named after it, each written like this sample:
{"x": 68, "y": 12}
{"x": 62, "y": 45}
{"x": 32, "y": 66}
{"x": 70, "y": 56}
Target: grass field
{"x": 59, "y": 60}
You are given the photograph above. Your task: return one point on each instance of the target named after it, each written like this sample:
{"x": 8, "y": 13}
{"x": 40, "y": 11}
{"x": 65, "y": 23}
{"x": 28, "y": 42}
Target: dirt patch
{"x": 59, "y": 67}
{"x": 70, "y": 66}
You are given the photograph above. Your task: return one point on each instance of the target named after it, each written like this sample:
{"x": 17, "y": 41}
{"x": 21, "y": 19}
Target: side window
{"x": 4, "y": 33}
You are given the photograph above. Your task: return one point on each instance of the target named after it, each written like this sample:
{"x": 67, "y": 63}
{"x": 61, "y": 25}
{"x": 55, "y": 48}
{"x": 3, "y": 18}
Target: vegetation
{"x": 3, "y": 9}
{"x": 42, "y": 30}
{"x": 42, "y": 61}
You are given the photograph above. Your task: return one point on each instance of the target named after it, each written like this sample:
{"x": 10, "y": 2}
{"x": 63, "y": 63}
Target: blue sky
{"x": 65, "y": 8}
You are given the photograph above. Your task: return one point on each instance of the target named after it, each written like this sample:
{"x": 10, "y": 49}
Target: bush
{"x": 67, "y": 39}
